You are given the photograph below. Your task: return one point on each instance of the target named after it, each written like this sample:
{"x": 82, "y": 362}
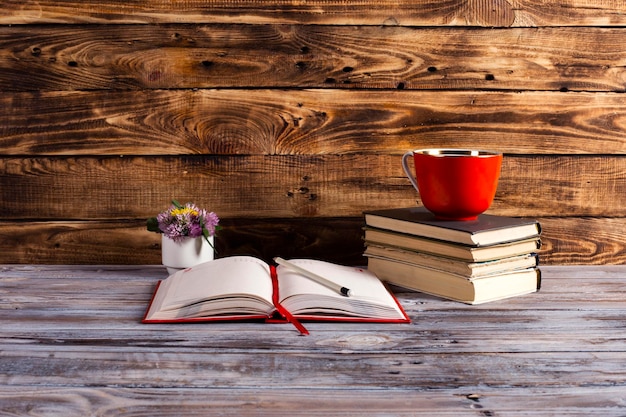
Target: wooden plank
{"x": 60, "y": 365}
{"x": 259, "y": 402}
{"x": 598, "y": 288}
{"x": 597, "y": 240}
{"x": 596, "y": 285}
{"x": 85, "y": 188}
{"x": 351, "y": 339}
{"x": 381, "y": 12}
{"x": 128, "y": 242}
{"x": 594, "y": 241}
{"x": 104, "y": 57}
{"x": 74, "y": 323}
{"x": 308, "y": 122}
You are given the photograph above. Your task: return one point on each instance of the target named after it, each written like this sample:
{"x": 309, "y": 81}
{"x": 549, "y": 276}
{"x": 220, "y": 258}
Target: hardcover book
{"x": 486, "y": 230}
{"x": 455, "y": 266}
{"x": 403, "y": 241}
{"x": 244, "y": 287}
{"x": 457, "y": 287}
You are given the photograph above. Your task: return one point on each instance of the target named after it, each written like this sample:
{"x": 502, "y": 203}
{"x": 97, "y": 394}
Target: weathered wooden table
{"x": 71, "y": 345}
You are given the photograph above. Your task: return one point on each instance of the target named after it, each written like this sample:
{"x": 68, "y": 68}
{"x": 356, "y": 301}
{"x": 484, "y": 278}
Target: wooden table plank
{"x": 119, "y": 401}
{"x": 151, "y": 366}
{"x": 71, "y": 344}
{"x": 430, "y": 332}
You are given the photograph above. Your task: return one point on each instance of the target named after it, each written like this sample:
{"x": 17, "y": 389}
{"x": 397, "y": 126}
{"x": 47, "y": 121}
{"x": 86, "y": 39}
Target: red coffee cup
{"x": 454, "y": 184}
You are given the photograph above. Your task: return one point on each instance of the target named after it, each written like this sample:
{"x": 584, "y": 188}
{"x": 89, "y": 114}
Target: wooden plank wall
{"x": 289, "y": 118}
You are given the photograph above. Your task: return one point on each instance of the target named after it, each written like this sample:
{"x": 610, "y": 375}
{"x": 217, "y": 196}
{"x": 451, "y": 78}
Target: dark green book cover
{"x": 485, "y": 230}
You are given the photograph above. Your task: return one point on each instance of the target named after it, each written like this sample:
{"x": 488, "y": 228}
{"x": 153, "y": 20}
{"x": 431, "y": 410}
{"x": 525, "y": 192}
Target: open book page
{"x": 237, "y": 285}
{"x": 305, "y": 297}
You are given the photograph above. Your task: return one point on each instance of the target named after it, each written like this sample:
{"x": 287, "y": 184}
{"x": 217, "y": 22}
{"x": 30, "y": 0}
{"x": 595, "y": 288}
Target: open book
{"x": 244, "y": 287}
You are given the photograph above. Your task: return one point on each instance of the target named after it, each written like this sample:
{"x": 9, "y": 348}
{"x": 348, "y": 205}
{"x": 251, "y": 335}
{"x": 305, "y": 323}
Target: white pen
{"x": 314, "y": 277}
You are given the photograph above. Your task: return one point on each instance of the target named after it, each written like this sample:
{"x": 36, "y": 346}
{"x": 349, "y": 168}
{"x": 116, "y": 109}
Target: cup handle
{"x": 407, "y": 170}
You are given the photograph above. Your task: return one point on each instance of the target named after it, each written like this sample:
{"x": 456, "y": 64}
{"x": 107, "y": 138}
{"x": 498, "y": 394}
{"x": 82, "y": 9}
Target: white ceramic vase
{"x": 186, "y": 253}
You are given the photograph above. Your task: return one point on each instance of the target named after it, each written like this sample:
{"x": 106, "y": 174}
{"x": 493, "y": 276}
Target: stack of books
{"x": 488, "y": 259}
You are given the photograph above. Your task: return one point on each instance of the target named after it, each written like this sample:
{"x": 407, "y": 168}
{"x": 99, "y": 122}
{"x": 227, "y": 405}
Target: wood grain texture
{"x": 85, "y": 188}
{"x": 59, "y": 367}
{"x": 487, "y": 13}
{"x": 119, "y": 242}
{"x": 278, "y": 113}
{"x": 573, "y": 241}
{"x": 309, "y": 122}
{"x": 558, "y": 352}
{"x": 52, "y": 58}
{"x": 81, "y": 401}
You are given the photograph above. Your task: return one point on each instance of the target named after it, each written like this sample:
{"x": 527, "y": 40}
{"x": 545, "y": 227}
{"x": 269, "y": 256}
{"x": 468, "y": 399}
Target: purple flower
{"x": 178, "y": 222}
{"x": 195, "y": 230}
{"x": 210, "y": 221}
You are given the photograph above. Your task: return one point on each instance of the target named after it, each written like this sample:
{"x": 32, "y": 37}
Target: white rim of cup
{"x": 480, "y": 153}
